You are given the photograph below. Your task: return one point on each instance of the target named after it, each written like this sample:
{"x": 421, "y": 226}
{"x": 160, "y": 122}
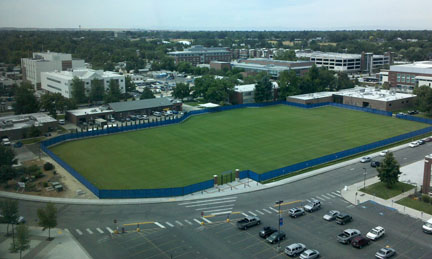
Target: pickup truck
{"x": 248, "y": 222}
{"x": 348, "y": 235}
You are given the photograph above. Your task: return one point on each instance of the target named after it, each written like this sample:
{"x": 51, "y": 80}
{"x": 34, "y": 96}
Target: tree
{"x": 288, "y": 84}
{"x": 97, "y": 90}
{"x": 34, "y": 132}
{"x": 130, "y": 86}
{"x": 9, "y": 209}
{"x": 7, "y": 159}
{"x": 48, "y": 218}
{"x": 388, "y": 171}
{"x": 113, "y": 94}
{"x": 22, "y": 239}
{"x": 263, "y": 90}
{"x": 147, "y": 94}
{"x": 53, "y": 102}
{"x": 25, "y": 100}
{"x": 286, "y": 55}
{"x": 78, "y": 90}
{"x": 423, "y": 101}
{"x": 181, "y": 91}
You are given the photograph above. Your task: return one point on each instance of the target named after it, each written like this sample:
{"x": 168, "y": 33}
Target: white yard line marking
{"x": 269, "y": 212}
{"x": 197, "y": 221}
{"x": 244, "y": 214}
{"x": 210, "y": 203}
{"x": 178, "y": 222}
{"x": 187, "y": 221}
{"x": 337, "y": 194}
{"x": 273, "y": 209}
{"x": 252, "y": 213}
{"x": 169, "y": 224}
{"x": 209, "y": 211}
{"x": 109, "y": 230}
{"x": 222, "y": 213}
{"x": 320, "y": 198}
{"x": 330, "y": 195}
{"x": 159, "y": 225}
{"x": 206, "y": 220}
{"x": 99, "y": 230}
{"x": 209, "y": 200}
{"x": 322, "y": 195}
{"x": 78, "y": 231}
{"x": 89, "y": 231}
{"x": 259, "y": 212}
{"x": 213, "y": 207}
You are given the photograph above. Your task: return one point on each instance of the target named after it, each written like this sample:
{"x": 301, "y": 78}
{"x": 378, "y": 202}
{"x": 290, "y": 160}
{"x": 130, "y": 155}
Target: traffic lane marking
{"x": 208, "y": 200}
{"x": 89, "y": 231}
{"x": 206, "y": 220}
{"x": 139, "y": 223}
{"x": 159, "y": 225}
{"x": 99, "y": 230}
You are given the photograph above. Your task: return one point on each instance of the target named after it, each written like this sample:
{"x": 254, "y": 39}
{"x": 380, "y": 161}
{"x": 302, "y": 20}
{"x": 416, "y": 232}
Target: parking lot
{"x": 222, "y": 239}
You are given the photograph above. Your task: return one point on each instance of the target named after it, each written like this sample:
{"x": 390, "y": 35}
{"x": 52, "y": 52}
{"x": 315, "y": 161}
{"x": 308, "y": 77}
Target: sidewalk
{"x": 63, "y": 245}
{"x": 237, "y": 187}
{"x": 353, "y": 195}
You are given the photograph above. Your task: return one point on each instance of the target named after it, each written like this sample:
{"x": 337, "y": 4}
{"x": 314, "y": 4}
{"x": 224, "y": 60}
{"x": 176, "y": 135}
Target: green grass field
{"x": 259, "y": 139}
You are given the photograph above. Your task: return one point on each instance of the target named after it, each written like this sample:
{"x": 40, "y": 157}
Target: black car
{"x": 342, "y": 219}
{"x": 276, "y": 237}
{"x": 267, "y": 231}
{"x": 421, "y": 142}
{"x": 375, "y": 163}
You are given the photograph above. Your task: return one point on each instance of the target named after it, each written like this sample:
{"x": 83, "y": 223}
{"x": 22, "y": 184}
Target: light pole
{"x": 279, "y": 223}
{"x": 364, "y": 180}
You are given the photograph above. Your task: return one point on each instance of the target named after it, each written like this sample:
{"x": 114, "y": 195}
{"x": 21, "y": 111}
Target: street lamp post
{"x": 364, "y": 180}
{"x": 279, "y": 223}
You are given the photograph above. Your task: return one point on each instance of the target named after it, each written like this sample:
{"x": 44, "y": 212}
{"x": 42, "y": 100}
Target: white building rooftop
{"x": 90, "y": 111}
{"x": 24, "y": 121}
{"x": 423, "y": 67}
{"x": 244, "y": 88}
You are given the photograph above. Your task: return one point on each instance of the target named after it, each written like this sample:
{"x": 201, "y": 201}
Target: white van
{"x": 427, "y": 227}
{"x": 61, "y": 122}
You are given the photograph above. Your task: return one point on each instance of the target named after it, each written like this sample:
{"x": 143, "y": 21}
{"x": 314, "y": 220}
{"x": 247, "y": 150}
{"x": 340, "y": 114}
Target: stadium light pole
{"x": 279, "y": 223}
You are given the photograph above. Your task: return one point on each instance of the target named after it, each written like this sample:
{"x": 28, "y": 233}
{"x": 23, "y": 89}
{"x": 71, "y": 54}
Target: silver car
{"x": 295, "y": 212}
{"x": 331, "y": 215}
{"x": 294, "y": 249}
{"x": 385, "y": 253}
{"x": 310, "y": 254}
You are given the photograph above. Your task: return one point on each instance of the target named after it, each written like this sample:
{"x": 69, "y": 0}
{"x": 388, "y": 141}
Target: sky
{"x": 218, "y": 14}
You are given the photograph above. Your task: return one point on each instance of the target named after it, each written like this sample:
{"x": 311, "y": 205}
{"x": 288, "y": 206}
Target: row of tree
{"x": 97, "y": 92}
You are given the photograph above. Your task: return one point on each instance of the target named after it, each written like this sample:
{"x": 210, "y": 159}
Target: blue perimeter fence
{"x": 180, "y": 191}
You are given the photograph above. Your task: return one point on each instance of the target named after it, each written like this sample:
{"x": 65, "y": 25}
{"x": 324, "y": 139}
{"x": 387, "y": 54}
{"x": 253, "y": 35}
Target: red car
{"x": 428, "y": 139}
{"x": 359, "y": 242}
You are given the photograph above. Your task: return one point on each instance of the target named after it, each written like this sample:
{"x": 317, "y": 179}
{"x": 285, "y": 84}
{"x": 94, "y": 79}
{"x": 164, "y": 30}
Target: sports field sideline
{"x": 259, "y": 139}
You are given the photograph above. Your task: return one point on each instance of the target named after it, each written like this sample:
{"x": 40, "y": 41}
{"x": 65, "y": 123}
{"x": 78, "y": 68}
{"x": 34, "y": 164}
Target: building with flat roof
{"x": 272, "y": 67}
{"x": 350, "y": 63}
{"x": 201, "y": 55}
{"x": 405, "y": 77}
{"x": 246, "y": 93}
{"x": 366, "y": 97}
{"x": 18, "y": 126}
{"x": 61, "y": 81}
{"x": 47, "y": 62}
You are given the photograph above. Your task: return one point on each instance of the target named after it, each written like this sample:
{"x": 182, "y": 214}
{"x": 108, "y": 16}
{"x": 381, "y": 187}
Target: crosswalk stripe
{"x": 259, "y": 212}
{"x": 159, "y": 225}
{"x": 215, "y": 207}
{"x": 178, "y": 222}
{"x": 322, "y": 195}
{"x": 78, "y": 231}
{"x": 109, "y": 230}
{"x": 209, "y": 211}
{"x": 187, "y": 221}
{"x": 252, "y": 213}
{"x": 244, "y": 214}
{"x": 209, "y": 200}
{"x": 337, "y": 194}
{"x": 273, "y": 209}
{"x": 89, "y": 231}
{"x": 99, "y": 230}
{"x": 206, "y": 220}
{"x": 222, "y": 213}
{"x": 67, "y": 230}
{"x": 210, "y": 203}
{"x": 330, "y": 195}
{"x": 345, "y": 201}
{"x": 319, "y": 198}
{"x": 169, "y": 224}
{"x": 308, "y": 200}
{"x": 266, "y": 211}
{"x": 197, "y": 221}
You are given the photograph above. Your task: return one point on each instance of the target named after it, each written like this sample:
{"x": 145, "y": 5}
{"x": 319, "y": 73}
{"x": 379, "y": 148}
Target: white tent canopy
{"x": 208, "y": 105}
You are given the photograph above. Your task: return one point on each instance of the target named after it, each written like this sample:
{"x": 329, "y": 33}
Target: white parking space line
{"x": 99, "y": 230}
{"x": 206, "y": 220}
{"x": 78, "y": 231}
{"x": 159, "y": 225}
{"x": 210, "y": 203}
{"x": 244, "y": 214}
{"x": 259, "y": 212}
{"x": 337, "y": 194}
{"x": 250, "y": 212}
{"x": 169, "y": 224}
{"x": 269, "y": 212}
{"x": 209, "y": 200}
{"x": 187, "y": 221}
{"x": 322, "y": 195}
{"x": 214, "y": 207}
{"x": 197, "y": 221}
{"x": 109, "y": 230}
{"x": 178, "y": 222}
{"x": 330, "y": 195}
{"x": 273, "y": 209}
{"x": 89, "y": 231}
{"x": 222, "y": 213}
{"x": 320, "y": 198}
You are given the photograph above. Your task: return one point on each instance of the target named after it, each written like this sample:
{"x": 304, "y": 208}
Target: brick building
{"x": 201, "y": 55}
{"x": 405, "y": 77}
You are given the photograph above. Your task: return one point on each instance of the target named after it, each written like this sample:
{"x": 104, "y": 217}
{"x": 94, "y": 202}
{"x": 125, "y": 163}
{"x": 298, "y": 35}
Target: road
{"x": 173, "y": 229}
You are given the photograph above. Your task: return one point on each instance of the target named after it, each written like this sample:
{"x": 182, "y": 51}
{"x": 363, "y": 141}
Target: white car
{"x": 414, "y": 144}
{"x": 365, "y": 159}
{"x": 331, "y": 215}
{"x": 375, "y": 233}
{"x": 383, "y": 153}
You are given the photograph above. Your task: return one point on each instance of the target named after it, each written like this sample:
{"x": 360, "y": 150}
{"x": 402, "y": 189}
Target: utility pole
{"x": 364, "y": 180}
{"x": 279, "y": 223}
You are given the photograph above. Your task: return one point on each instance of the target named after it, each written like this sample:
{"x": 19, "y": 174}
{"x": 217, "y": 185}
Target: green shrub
{"x": 48, "y": 166}
{"x": 426, "y": 198}
{"x": 45, "y": 184}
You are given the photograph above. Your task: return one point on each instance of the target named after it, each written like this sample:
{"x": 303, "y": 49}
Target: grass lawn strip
{"x": 380, "y": 190}
{"x": 416, "y": 204}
